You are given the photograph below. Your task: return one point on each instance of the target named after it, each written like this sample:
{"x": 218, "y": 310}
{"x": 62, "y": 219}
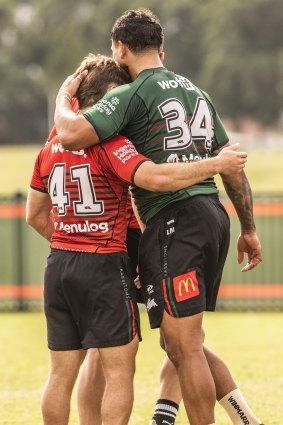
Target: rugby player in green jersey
{"x": 184, "y": 246}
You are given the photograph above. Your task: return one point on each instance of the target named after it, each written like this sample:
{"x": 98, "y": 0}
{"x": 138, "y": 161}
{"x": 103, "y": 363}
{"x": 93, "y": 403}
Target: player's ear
{"x": 111, "y": 86}
{"x": 123, "y": 49}
{"x": 162, "y": 56}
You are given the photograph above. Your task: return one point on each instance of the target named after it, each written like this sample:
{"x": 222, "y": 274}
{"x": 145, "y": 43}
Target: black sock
{"x": 165, "y": 412}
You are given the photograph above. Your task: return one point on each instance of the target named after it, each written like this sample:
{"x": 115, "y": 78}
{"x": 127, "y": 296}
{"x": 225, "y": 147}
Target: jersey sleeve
{"x": 220, "y": 135}
{"x": 113, "y": 112}
{"x": 121, "y": 156}
{"x": 36, "y": 181}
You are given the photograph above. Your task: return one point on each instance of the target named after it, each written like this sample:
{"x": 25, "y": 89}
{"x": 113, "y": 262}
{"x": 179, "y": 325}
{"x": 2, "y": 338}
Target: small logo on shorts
{"x": 170, "y": 227}
{"x": 150, "y": 303}
{"x": 186, "y": 286}
{"x": 149, "y": 289}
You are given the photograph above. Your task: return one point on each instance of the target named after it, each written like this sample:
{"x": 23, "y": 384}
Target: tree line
{"x": 231, "y": 49}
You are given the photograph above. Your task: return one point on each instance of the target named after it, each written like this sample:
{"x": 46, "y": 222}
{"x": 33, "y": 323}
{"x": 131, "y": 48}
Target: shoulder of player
{"x": 115, "y": 142}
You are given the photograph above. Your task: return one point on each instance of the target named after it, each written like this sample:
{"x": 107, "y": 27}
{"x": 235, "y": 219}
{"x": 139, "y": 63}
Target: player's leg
{"x": 64, "y": 368}
{"x": 184, "y": 235}
{"x": 169, "y": 396}
{"x": 111, "y": 323}
{"x": 91, "y": 384}
{"x": 225, "y": 385}
{"x": 119, "y": 368}
{"x": 169, "y": 388}
{"x": 183, "y": 337}
{"x": 227, "y": 393}
{"x": 64, "y": 339}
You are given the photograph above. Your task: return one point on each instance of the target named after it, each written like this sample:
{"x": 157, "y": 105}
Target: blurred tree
{"x": 242, "y": 47}
{"x": 233, "y": 50}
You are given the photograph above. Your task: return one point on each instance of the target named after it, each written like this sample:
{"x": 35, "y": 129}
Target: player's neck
{"x": 142, "y": 62}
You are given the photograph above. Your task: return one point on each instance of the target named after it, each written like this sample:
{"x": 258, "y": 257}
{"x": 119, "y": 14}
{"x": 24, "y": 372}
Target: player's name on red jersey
{"x": 89, "y": 193}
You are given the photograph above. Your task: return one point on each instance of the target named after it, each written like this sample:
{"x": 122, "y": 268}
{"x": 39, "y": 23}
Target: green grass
{"x": 250, "y": 343}
{"x": 263, "y": 171}
{"x": 16, "y": 165}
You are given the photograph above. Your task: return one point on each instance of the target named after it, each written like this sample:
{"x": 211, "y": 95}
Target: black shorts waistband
{"x": 177, "y": 205}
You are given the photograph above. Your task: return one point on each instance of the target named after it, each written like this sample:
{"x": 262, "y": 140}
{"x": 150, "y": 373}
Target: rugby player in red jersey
{"x": 78, "y": 201}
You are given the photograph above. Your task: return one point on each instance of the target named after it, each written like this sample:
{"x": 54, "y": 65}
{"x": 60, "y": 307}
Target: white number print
{"x": 87, "y": 205}
{"x": 175, "y": 115}
{"x": 202, "y": 123}
{"x": 57, "y": 188}
{"x": 200, "y": 127}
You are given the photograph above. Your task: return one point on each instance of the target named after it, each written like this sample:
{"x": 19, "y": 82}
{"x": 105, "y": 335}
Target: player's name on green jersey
{"x": 178, "y": 81}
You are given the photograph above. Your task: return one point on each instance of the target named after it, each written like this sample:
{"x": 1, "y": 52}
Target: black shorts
{"x": 133, "y": 240}
{"x": 181, "y": 257}
{"x": 89, "y": 300}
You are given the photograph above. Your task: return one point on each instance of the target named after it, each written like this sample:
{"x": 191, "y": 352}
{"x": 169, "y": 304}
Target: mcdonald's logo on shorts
{"x": 186, "y": 286}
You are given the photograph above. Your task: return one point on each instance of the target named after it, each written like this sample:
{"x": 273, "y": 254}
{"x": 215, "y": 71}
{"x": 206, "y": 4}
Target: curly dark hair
{"x": 139, "y": 29}
{"x": 102, "y": 72}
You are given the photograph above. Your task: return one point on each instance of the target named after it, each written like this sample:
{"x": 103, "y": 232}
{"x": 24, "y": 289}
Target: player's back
{"x": 179, "y": 118}
{"x": 181, "y": 126}
{"x": 168, "y": 119}
{"x": 89, "y": 200}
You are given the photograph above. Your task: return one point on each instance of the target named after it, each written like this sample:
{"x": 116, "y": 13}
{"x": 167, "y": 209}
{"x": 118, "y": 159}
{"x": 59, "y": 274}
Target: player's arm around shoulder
{"x": 170, "y": 177}
{"x": 75, "y": 132}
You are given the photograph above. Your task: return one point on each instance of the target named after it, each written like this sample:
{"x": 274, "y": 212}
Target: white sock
{"x": 238, "y": 409}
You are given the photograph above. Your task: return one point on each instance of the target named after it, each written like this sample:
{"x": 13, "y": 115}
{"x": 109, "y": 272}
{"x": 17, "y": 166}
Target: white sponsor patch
{"x": 83, "y": 227}
{"x": 179, "y": 81}
{"x": 57, "y": 147}
{"x": 125, "y": 152}
{"x": 107, "y": 106}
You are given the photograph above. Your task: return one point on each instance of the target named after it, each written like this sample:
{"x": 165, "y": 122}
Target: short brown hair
{"x": 139, "y": 29}
{"x": 102, "y": 71}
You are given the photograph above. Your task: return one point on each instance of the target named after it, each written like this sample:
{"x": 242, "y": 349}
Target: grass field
{"x": 250, "y": 343}
{"x": 16, "y": 165}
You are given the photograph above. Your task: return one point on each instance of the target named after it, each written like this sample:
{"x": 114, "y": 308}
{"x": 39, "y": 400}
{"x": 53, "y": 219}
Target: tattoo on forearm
{"x": 241, "y": 196}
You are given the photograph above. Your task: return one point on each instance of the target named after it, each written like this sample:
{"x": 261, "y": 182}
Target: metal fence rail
{"x": 23, "y": 256}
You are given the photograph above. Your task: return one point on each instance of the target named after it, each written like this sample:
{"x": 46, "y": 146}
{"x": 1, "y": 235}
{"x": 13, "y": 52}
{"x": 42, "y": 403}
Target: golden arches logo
{"x": 186, "y": 285}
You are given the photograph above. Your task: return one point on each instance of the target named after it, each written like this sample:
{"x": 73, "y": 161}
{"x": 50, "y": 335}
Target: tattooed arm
{"x": 239, "y": 191}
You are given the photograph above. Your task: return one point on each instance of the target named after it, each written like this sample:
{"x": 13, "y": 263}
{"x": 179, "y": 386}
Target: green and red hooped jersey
{"x": 168, "y": 119}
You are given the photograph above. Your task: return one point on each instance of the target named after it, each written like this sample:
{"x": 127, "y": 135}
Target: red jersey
{"x": 89, "y": 191}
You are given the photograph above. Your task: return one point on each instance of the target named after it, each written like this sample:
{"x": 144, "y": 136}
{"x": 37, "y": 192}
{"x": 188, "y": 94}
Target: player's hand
{"x": 249, "y": 243}
{"x": 230, "y": 160}
{"x": 137, "y": 282}
{"x": 70, "y": 86}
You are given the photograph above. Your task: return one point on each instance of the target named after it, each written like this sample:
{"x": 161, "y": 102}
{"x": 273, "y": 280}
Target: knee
{"x": 176, "y": 353}
{"x": 183, "y": 351}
